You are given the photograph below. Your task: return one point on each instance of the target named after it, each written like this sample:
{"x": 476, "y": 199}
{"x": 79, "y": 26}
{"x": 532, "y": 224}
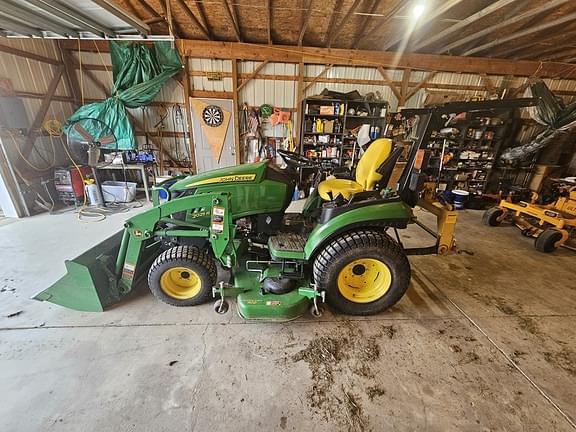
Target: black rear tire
{"x": 491, "y": 216}
{"x": 371, "y": 245}
{"x": 546, "y": 241}
{"x": 189, "y": 262}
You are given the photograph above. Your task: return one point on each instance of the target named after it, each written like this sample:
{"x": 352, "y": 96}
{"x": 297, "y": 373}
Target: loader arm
{"x": 106, "y": 273}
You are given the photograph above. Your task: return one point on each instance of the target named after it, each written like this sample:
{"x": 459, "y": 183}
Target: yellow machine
{"x": 553, "y": 224}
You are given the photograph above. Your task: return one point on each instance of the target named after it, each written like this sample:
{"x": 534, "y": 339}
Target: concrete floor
{"x": 484, "y": 340}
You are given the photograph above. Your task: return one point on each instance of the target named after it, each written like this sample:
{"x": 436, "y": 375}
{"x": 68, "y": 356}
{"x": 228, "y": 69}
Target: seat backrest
{"x": 366, "y": 171}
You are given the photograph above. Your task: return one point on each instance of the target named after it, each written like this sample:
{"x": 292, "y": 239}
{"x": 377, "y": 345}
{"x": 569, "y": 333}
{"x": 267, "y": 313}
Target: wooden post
{"x": 189, "y": 112}
{"x": 299, "y": 100}
{"x": 236, "y": 110}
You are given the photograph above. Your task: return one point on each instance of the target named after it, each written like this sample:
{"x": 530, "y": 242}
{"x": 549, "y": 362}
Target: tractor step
{"x": 287, "y": 245}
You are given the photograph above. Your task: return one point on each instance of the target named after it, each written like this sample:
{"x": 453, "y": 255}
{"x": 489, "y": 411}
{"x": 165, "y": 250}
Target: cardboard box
{"x": 327, "y": 110}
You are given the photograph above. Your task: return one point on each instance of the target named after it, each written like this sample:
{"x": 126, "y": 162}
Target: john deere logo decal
{"x": 225, "y": 179}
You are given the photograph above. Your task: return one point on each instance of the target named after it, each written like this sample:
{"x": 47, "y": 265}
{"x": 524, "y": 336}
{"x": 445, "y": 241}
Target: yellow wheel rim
{"x": 180, "y": 283}
{"x": 364, "y": 280}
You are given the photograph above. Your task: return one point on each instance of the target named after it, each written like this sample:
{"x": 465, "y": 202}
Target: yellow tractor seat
{"x": 366, "y": 173}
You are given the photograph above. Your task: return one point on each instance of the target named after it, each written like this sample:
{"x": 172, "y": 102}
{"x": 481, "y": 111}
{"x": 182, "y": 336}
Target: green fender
{"x": 390, "y": 211}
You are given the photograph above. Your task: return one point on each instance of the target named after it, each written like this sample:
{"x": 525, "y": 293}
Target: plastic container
{"x": 459, "y": 197}
{"x": 118, "y": 192}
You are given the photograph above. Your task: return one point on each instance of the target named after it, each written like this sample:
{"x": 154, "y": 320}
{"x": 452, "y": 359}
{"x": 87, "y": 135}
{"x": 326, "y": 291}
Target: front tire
{"x": 182, "y": 276}
{"x": 491, "y": 217}
{"x": 546, "y": 241}
{"x": 363, "y": 272}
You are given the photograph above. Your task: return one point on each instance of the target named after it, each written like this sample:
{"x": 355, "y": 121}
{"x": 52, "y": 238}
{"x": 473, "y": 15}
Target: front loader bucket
{"x": 90, "y": 283}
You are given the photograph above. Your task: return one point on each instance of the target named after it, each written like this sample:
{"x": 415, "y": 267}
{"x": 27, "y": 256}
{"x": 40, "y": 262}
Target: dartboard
{"x": 213, "y": 115}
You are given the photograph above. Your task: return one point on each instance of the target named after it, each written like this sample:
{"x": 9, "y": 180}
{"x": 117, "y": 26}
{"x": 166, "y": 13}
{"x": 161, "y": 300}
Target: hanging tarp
{"x": 139, "y": 72}
{"x": 550, "y": 112}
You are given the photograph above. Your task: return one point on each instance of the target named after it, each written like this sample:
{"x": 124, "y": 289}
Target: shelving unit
{"x": 338, "y": 146}
{"x": 464, "y": 158}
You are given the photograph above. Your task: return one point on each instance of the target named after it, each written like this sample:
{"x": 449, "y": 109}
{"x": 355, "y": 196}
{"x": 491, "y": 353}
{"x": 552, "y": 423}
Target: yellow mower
{"x": 553, "y": 225}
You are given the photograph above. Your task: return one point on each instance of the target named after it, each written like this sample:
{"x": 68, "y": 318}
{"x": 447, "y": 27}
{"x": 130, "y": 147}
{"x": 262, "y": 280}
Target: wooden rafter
{"x": 501, "y": 25}
{"x": 252, "y": 75}
{"x": 381, "y": 23}
{"x": 444, "y": 7}
{"x": 364, "y": 23}
{"x": 173, "y": 27}
{"x": 188, "y": 12}
{"x": 431, "y": 39}
{"x": 148, "y": 8}
{"x": 317, "y": 77}
{"x": 202, "y": 14}
{"x": 389, "y": 83}
{"x": 269, "y": 20}
{"x": 540, "y": 51}
{"x": 41, "y": 113}
{"x": 305, "y": 21}
{"x": 560, "y": 56}
{"x": 231, "y": 12}
{"x": 342, "y": 22}
{"x": 421, "y": 84}
{"x": 523, "y": 48}
{"x": 332, "y": 23}
{"x": 526, "y": 32}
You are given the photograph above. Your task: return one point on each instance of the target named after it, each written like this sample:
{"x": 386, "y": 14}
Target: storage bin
{"x": 119, "y": 192}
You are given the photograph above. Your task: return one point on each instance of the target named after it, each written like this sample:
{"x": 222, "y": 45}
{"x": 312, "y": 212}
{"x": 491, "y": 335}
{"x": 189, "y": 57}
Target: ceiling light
{"x": 418, "y": 10}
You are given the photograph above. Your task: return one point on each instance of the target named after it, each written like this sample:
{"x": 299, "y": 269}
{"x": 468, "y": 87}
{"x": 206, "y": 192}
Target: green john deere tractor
{"x": 226, "y": 233}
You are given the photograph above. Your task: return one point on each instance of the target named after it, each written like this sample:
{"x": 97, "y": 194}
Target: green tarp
{"x": 139, "y": 73}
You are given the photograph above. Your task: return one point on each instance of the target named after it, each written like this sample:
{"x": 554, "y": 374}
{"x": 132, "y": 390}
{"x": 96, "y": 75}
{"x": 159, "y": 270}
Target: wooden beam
{"x": 173, "y": 27}
{"x": 72, "y": 84}
{"x": 421, "y": 84}
{"x": 343, "y": 21}
{"x": 97, "y": 82}
{"x": 390, "y": 84}
{"x": 41, "y": 113}
{"x": 189, "y": 113}
{"x": 364, "y": 23}
{"x": 461, "y": 25}
{"x": 332, "y": 23}
{"x": 427, "y": 62}
{"x": 233, "y": 20}
{"x": 193, "y": 18}
{"x": 28, "y": 55}
{"x": 428, "y": 17}
{"x": 252, "y": 75}
{"x": 269, "y": 20}
{"x": 522, "y": 33}
{"x": 236, "y": 112}
{"x": 501, "y": 25}
{"x": 317, "y": 77}
{"x": 307, "y": 15}
{"x": 404, "y": 86}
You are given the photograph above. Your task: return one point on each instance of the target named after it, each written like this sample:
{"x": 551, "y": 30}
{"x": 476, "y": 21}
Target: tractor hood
{"x": 248, "y": 173}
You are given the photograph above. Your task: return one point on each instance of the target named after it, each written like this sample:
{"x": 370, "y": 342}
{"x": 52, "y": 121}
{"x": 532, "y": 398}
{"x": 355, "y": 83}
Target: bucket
{"x": 459, "y": 198}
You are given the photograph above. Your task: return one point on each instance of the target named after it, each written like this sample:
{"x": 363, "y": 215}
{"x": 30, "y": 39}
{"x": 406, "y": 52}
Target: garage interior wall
{"x": 275, "y": 83}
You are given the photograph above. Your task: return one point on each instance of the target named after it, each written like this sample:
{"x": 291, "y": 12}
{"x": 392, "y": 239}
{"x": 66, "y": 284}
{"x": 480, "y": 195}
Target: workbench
{"x": 134, "y": 167}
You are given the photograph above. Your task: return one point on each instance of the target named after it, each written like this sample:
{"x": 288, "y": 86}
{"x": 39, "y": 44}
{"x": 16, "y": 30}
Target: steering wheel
{"x": 296, "y": 160}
